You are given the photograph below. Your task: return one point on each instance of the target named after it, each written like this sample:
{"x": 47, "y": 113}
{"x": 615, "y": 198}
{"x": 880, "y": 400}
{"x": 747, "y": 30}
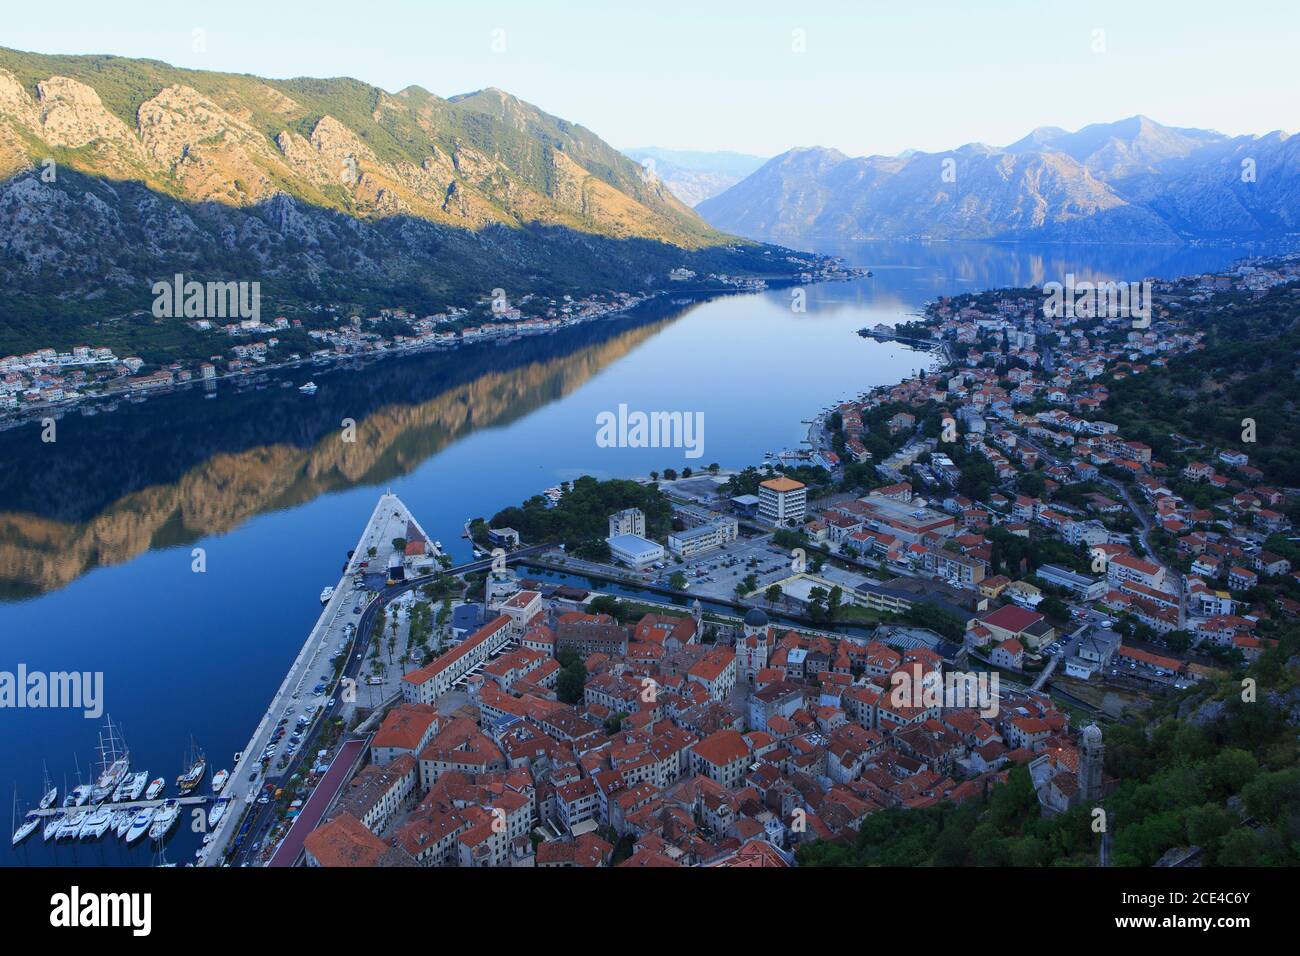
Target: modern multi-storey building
{"x": 783, "y": 501}
{"x": 627, "y": 521}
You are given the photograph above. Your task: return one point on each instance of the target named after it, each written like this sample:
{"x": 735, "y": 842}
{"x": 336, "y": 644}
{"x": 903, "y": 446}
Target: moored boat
{"x": 118, "y": 822}
{"x": 217, "y": 811}
{"x": 131, "y": 787}
{"x": 52, "y": 823}
{"x": 95, "y": 825}
{"x": 71, "y": 825}
{"x": 155, "y": 788}
{"x": 51, "y": 791}
{"x": 326, "y": 594}
{"x": 27, "y": 827}
{"x": 140, "y": 824}
{"x": 114, "y": 763}
{"x": 164, "y": 819}
{"x": 198, "y": 766}
{"x": 219, "y": 780}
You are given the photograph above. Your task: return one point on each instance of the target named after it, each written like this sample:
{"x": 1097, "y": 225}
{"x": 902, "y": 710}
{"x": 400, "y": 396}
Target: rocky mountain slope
{"x": 1130, "y": 181}
{"x": 115, "y": 172}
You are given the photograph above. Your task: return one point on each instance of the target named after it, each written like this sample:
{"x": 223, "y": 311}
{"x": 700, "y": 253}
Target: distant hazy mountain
{"x": 694, "y": 176}
{"x": 1129, "y": 181}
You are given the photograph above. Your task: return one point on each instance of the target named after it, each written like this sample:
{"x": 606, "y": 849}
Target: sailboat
{"x": 164, "y": 819}
{"x": 51, "y": 791}
{"x": 29, "y": 824}
{"x": 114, "y": 762}
{"x": 118, "y": 821}
{"x": 124, "y": 820}
{"x": 79, "y": 794}
{"x": 52, "y": 824}
{"x": 198, "y": 766}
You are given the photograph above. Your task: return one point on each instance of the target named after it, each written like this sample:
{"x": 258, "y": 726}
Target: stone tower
{"x": 1092, "y": 758}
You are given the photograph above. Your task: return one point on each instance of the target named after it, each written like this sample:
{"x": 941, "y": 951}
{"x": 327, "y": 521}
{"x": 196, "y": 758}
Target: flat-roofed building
{"x": 783, "y": 501}
{"x": 1087, "y": 589}
{"x": 634, "y": 550}
{"x": 701, "y": 538}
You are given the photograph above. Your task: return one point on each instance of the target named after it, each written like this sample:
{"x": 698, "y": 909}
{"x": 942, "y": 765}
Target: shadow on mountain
{"x": 83, "y": 252}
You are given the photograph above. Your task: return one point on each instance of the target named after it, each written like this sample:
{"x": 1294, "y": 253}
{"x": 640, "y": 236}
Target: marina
{"x": 132, "y": 805}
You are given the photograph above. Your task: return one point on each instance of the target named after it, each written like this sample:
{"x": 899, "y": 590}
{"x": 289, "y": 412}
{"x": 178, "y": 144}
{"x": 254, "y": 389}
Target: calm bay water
{"x": 96, "y": 530}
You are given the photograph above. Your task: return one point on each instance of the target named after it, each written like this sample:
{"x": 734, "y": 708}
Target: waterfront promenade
{"x": 310, "y": 666}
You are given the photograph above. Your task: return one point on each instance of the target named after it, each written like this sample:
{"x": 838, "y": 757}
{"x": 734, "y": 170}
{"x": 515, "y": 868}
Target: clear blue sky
{"x": 875, "y": 77}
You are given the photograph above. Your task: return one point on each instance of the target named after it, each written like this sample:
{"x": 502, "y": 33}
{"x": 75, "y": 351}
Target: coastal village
{"x": 49, "y": 379}
{"x": 808, "y": 656}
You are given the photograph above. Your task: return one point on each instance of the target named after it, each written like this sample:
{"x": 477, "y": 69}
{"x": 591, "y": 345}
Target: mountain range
{"x": 116, "y": 172}
{"x": 1129, "y": 181}
{"x": 694, "y": 175}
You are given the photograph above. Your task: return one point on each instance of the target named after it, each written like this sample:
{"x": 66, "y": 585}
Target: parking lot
{"x": 716, "y": 573}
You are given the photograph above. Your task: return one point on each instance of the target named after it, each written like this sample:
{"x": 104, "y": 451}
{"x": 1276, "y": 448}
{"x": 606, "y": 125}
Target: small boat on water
{"x": 71, "y": 825}
{"x": 155, "y": 788}
{"x": 27, "y": 829}
{"x": 139, "y": 824}
{"x": 219, "y": 780}
{"x": 52, "y": 824}
{"x": 326, "y": 594}
{"x": 96, "y": 823}
{"x": 78, "y": 797}
{"x": 51, "y": 791}
{"x": 308, "y": 388}
{"x": 124, "y": 822}
{"x": 164, "y": 819}
{"x": 131, "y": 787}
{"x": 28, "y": 826}
{"x": 119, "y": 822}
{"x": 198, "y": 766}
{"x": 217, "y": 811}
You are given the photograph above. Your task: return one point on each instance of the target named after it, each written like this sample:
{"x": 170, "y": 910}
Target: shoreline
{"x": 36, "y": 413}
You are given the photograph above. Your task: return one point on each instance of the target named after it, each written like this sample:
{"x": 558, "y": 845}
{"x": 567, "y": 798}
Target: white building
{"x": 783, "y": 501}
{"x": 687, "y": 544}
{"x": 634, "y": 550}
